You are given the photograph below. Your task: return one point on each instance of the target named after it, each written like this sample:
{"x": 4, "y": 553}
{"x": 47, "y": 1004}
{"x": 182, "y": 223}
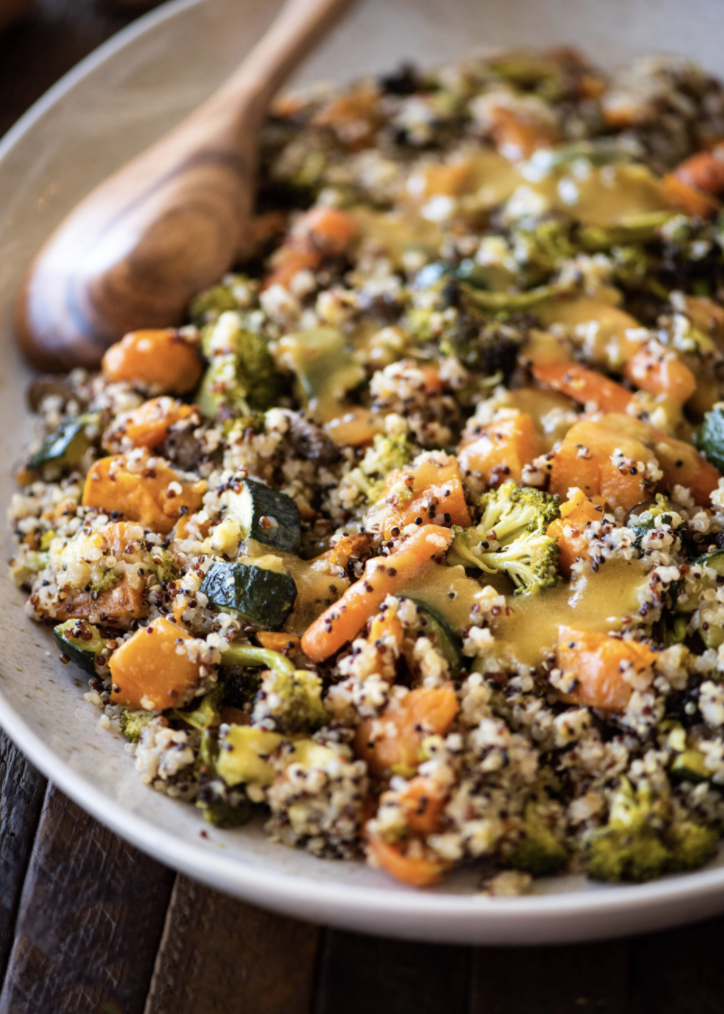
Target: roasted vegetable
{"x": 266, "y": 515}
{"x": 643, "y": 839}
{"x": 260, "y": 590}
{"x": 81, "y": 642}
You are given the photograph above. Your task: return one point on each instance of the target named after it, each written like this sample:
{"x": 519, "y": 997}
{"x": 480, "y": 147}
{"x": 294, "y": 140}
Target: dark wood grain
{"x": 47, "y": 42}
{"x": 135, "y": 251}
{"x": 219, "y": 956}
{"x": 90, "y": 919}
{"x": 571, "y": 979}
{"x": 680, "y": 971}
{"x": 21, "y": 798}
{"x": 363, "y": 975}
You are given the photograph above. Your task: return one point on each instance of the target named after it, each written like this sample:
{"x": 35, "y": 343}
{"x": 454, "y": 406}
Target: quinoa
{"x": 485, "y": 317}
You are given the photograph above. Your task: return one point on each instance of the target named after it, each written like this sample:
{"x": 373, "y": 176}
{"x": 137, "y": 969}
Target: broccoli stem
{"x": 246, "y": 654}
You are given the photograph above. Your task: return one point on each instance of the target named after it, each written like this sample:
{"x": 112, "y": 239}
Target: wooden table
{"x": 89, "y": 925}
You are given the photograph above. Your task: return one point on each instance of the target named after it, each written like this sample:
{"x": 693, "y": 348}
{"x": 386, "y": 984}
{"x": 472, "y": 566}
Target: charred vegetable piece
{"x": 81, "y": 642}
{"x": 266, "y": 515}
{"x": 710, "y": 438}
{"x": 439, "y": 631}
{"x": 67, "y": 445}
{"x": 263, "y": 592}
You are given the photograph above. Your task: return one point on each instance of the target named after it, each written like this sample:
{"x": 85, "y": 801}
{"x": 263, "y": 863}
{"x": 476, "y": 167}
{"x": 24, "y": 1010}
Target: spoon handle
{"x": 170, "y": 222}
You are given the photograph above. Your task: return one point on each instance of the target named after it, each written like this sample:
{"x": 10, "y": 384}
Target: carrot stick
{"x": 583, "y": 385}
{"x": 383, "y": 576}
{"x": 661, "y": 374}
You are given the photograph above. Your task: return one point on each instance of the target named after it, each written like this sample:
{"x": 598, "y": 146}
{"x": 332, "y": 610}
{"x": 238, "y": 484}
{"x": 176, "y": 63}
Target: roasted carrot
{"x": 429, "y": 490}
{"x": 276, "y": 640}
{"x": 704, "y": 170}
{"x": 322, "y": 232}
{"x": 690, "y": 199}
{"x": 393, "y": 741}
{"x": 661, "y": 372}
{"x": 383, "y": 576}
{"x": 163, "y": 359}
{"x": 598, "y": 663}
{"x": 583, "y": 385}
{"x": 327, "y": 229}
{"x": 151, "y": 670}
{"x": 423, "y": 805}
{"x": 418, "y": 871}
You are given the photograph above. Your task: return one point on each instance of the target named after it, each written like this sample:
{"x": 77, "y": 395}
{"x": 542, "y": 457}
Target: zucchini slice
{"x": 439, "y": 631}
{"x": 81, "y": 642}
{"x": 263, "y": 592}
{"x": 710, "y": 438}
{"x": 266, "y": 515}
{"x": 66, "y": 446}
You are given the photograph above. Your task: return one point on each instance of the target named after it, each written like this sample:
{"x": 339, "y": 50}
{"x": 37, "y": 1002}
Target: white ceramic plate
{"x": 113, "y": 105}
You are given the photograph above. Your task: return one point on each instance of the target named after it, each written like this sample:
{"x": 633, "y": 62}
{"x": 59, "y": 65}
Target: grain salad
{"x": 412, "y": 536}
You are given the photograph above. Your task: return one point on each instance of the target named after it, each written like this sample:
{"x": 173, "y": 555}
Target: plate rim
{"x": 464, "y": 918}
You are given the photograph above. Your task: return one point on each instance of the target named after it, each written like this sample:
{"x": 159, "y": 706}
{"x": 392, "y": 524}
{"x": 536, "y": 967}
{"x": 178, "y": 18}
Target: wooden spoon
{"x": 167, "y": 224}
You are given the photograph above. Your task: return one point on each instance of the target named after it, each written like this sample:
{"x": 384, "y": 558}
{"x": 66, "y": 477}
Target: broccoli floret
{"x": 387, "y": 454}
{"x": 241, "y": 377}
{"x": 233, "y": 293}
{"x": 132, "y": 723}
{"x": 221, "y": 806}
{"x": 290, "y": 703}
{"x": 206, "y": 713}
{"x": 644, "y": 840}
{"x": 511, "y": 538}
{"x": 538, "y": 852}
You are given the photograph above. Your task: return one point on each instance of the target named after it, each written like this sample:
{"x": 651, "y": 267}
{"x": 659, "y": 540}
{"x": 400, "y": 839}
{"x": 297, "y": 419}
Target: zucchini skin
{"x": 77, "y": 649}
{"x": 264, "y": 597}
{"x": 257, "y": 505}
{"x": 710, "y": 438}
{"x": 445, "y": 639}
{"x": 65, "y": 446}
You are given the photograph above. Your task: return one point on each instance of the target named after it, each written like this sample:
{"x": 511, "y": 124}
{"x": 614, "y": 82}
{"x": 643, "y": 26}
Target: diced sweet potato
{"x": 423, "y": 712}
{"x": 500, "y": 451}
{"x": 431, "y": 490}
{"x": 357, "y": 427}
{"x": 149, "y": 424}
{"x": 599, "y": 663}
{"x": 518, "y": 136}
{"x": 153, "y": 496}
{"x": 163, "y": 359}
{"x": 603, "y": 462}
{"x": 148, "y": 671}
{"x": 576, "y": 513}
{"x": 117, "y": 605}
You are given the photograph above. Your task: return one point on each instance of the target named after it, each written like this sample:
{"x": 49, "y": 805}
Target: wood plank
{"x": 21, "y": 797}
{"x": 47, "y": 42}
{"x": 570, "y": 979}
{"x": 360, "y": 974}
{"x": 678, "y": 971}
{"x": 221, "y": 955}
{"x": 91, "y": 915}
